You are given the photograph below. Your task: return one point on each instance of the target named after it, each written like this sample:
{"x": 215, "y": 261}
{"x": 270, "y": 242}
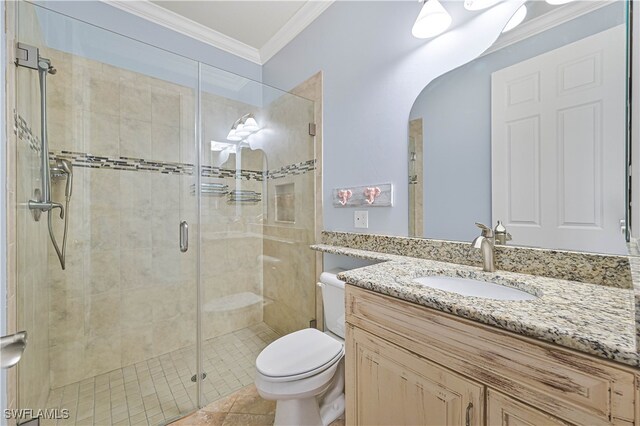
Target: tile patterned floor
{"x": 244, "y": 407}
{"x": 159, "y": 390}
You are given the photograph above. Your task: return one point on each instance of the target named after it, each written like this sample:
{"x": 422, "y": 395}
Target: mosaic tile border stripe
{"x": 82, "y": 159}
{"x": 602, "y": 269}
{"x": 23, "y": 131}
{"x": 292, "y": 169}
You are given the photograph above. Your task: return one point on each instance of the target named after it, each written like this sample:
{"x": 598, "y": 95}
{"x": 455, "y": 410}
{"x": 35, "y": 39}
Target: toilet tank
{"x": 333, "y": 302}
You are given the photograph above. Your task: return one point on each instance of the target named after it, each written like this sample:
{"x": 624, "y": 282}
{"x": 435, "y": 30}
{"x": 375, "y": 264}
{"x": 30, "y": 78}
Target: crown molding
{"x": 294, "y": 26}
{"x": 542, "y": 23}
{"x": 166, "y": 18}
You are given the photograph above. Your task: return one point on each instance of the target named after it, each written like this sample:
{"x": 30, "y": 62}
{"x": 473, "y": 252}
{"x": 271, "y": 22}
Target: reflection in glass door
{"x": 144, "y": 325}
{"x": 112, "y": 337}
{"x": 257, "y": 274}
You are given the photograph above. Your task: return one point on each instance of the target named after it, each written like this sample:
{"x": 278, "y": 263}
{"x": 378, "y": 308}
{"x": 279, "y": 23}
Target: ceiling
{"x": 258, "y": 29}
{"x": 250, "y": 22}
{"x": 251, "y": 29}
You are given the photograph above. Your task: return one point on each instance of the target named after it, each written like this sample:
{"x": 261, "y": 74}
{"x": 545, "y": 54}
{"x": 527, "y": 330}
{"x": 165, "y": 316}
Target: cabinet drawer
{"x": 569, "y": 385}
{"x": 505, "y": 411}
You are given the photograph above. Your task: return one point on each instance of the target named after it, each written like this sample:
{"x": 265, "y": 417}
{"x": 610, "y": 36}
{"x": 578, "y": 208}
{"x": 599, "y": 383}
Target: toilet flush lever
{"x": 184, "y": 236}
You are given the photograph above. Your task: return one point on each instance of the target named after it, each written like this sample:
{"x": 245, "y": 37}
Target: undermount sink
{"x": 475, "y": 288}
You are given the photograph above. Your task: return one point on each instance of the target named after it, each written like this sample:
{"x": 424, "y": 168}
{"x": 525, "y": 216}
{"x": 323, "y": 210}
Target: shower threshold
{"x": 159, "y": 390}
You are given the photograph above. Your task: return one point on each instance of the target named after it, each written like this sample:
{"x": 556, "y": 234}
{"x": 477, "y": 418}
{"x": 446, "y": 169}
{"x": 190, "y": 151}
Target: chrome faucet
{"x": 485, "y": 242}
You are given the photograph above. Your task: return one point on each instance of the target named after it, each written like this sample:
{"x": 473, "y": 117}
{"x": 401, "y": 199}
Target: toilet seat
{"x": 308, "y": 374}
{"x": 298, "y": 355}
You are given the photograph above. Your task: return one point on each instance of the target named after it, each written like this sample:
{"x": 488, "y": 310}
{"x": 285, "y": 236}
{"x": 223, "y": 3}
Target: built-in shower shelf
{"x": 244, "y": 196}
{"x": 211, "y": 189}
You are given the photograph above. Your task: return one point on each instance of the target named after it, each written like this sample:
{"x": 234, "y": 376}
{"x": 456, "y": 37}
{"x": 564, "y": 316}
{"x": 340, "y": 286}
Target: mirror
{"x": 532, "y": 133}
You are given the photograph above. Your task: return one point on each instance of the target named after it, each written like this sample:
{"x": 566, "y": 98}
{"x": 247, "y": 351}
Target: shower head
{"x": 68, "y": 169}
{"x": 63, "y": 169}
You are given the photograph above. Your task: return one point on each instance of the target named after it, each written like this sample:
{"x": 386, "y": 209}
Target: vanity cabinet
{"x": 408, "y": 364}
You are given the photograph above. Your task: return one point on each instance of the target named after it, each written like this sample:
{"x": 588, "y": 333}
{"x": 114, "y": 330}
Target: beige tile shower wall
{"x": 231, "y": 267}
{"x": 128, "y": 293}
{"x": 416, "y": 217}
{"x": 29, "y": 260}
{"x": 289, "y": 273}
{"x": 312, "y": 89}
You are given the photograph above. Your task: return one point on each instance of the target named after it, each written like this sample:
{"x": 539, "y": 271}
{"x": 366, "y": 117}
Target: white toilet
{"x": 304, "y": 371}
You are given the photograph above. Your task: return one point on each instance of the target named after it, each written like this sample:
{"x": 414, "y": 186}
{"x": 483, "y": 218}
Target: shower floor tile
{"x": 160, "y": 390}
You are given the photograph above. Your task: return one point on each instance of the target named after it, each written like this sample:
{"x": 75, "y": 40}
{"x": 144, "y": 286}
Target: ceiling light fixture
{"x": 433, "y": 20}
{"x": 559, "y": 2}
{"x": 250, "y": 123}
{"x": 480, "y": 4}
{"x": 516, "y": 19}
{"x": 243, "y": 127}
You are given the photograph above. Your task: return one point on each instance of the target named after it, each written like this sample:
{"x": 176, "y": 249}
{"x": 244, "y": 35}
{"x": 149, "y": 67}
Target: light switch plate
{"x": 361, "y": 219}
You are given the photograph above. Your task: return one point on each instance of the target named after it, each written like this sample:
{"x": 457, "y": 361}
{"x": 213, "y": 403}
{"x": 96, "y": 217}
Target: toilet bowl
{"x": 304, "y": 371}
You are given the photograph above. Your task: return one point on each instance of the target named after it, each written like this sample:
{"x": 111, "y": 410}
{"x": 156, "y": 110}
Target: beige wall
{"x": 416, "y": 216}
{"x": 127, "y": 294}
{"x": 290, "y": 278}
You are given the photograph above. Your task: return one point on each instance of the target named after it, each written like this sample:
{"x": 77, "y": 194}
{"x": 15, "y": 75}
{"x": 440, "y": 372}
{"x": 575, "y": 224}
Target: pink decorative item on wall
{"x": 344, "y": 195}
{"x": 379, "y": 195}
{"x": 371, "y": 193}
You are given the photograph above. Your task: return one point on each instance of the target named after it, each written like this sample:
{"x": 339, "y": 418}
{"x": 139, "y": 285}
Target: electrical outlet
{"x": 361, "y": 219}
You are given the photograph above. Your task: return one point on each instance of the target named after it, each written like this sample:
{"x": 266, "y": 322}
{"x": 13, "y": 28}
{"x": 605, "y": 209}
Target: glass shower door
{"x": 257, "y": 217}
{"x": 138, "y": 327}
{"x": 112, "y": 337}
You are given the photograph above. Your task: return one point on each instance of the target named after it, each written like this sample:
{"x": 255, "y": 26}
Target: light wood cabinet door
{"x": 505, "y": 411}
{"x": 387, "y": 385}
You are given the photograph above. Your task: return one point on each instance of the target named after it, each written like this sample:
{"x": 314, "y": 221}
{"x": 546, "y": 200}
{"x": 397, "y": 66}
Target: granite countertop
{"x": 590, "y": 318}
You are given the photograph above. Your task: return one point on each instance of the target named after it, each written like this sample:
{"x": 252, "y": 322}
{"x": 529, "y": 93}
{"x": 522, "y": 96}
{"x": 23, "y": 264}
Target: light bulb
{"x": 250, "y": 124}
{"x": 516, "y": 19}
{"x": 220, "y": 146}
{"x": 241, "y": 131}
{"x": 433, "y": 20}
{"x": 232, "y": 136}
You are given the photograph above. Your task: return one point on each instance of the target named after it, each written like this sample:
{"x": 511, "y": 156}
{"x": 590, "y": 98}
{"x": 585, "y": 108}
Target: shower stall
{"x": 163, "y": 214}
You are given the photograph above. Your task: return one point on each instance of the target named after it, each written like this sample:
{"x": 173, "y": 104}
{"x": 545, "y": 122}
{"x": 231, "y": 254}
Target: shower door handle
{"x": 184, "y": 236}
